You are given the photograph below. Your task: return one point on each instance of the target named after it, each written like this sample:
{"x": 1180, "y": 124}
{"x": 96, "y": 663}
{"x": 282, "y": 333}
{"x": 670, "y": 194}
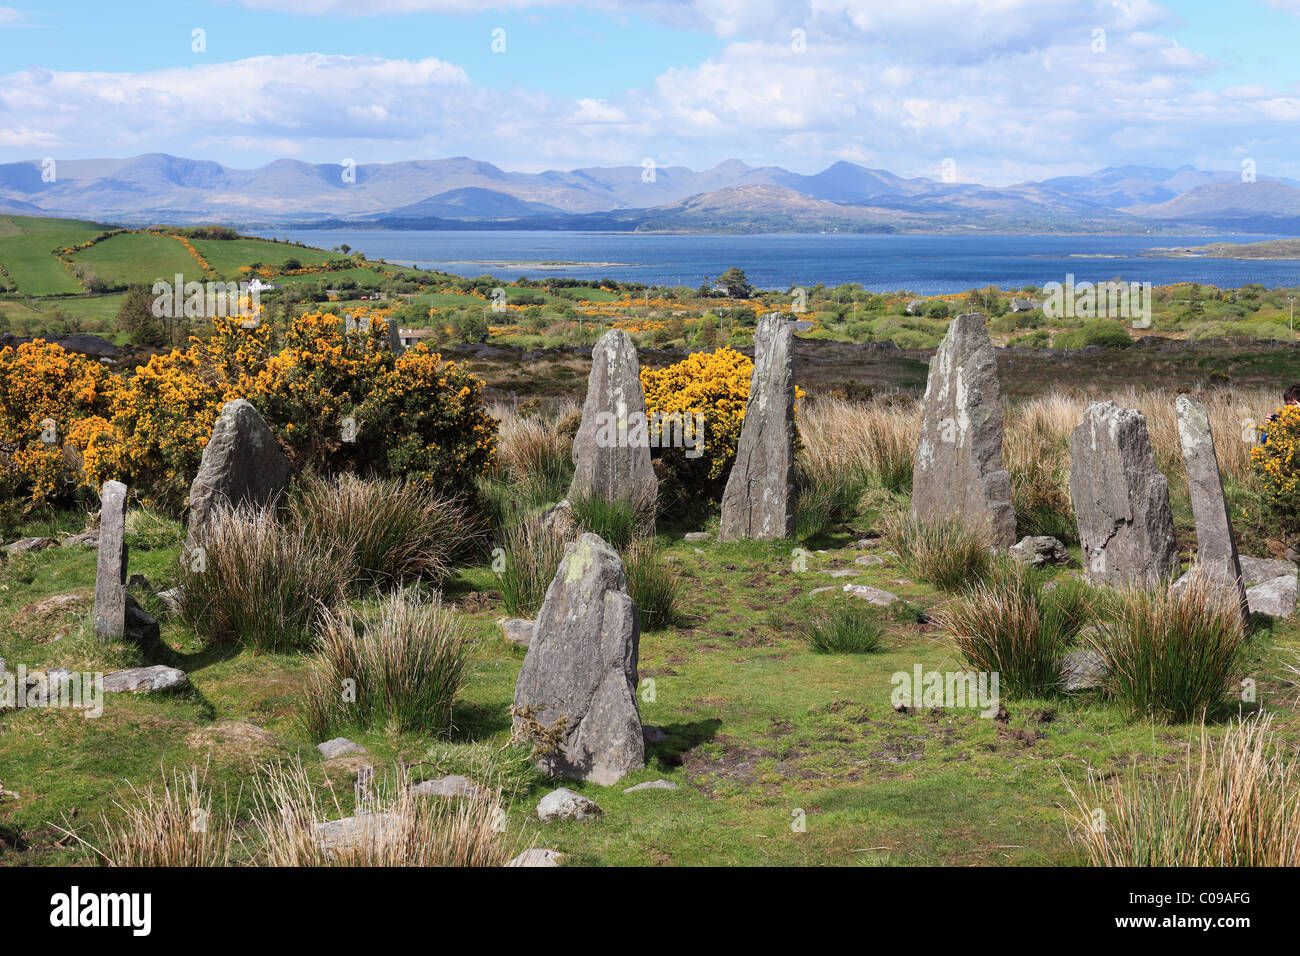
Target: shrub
{"x": 394, "y": 826}
{"x": 406, "y": 657}
{"x": 845, "y": 629}
{"x": 1237, "y": 805}
{"x": 1106, "y": 333}
{"x": 533, "y": 550}
{"x": 1275, "y": 465}
{"x": 257, "y": 582}
{"x": 1170, "y": 652}
{"x": 654, "y": 586}
{"x": 944, "y": 552}
{"x": 1008, "y": 625}
{"x": 390, "y": 529}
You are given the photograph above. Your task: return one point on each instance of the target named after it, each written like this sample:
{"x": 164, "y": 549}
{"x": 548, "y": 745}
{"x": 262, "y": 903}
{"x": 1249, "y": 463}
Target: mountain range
{"x": 464, "y": 193}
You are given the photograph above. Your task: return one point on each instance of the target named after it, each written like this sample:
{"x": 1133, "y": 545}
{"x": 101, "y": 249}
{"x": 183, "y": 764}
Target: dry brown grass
{"x": 1237, "y": 805}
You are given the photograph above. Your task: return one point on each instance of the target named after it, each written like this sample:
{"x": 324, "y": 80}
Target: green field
{"x": 139, "y": 257}
{"x": 227, "y": 255}
{"x": 26, "y": 252}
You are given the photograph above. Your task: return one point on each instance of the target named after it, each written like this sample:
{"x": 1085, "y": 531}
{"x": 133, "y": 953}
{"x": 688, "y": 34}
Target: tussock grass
{"x": 844, "y": 629}
{"x": 1171, "y": 653}
{"x": 654, "y": 585}
{"x": 1236, "y": 804}
{"x": 532, "y": 554}
{"x": 259, "y": 582}
{"x": 618, "y": 522}
{"x": 1009, "y": 625}
{"x": 171, "y": 825}
{"x": 393, "y": 826}
{"x": 406, "y": 658}
{"x": 943, "y": 552}
{"x": 869, "y": 444}
{"x": 389, "y": 530}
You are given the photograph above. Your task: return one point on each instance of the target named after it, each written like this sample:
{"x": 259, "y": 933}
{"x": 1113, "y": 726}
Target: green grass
{"x": 26, "y": 252}
{"x": 227, "y": 255}
{"x": 140, "y": 257}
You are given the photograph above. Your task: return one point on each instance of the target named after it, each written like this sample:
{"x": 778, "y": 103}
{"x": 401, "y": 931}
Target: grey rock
{"x": 171, "y": 599}
{"x": 652, "y": 785}
{"x": 815, "y": 591}
{"x": 1121, "y": 501}
{"x": 564, "y": 804}
{"x": 611, "y": 451}
{"x": 110, "y": 571}
{"x": 871, "y": 595}
{"x": 653, "y": 735}
{"x": 30, "y": 545}
{"x": 138, "y": 582}
{"x": 759, "y": 500}
{"x": 144, "y": 680}
{"x": 1276, "y": 598}
{"x": 536, "y": 857}
{"x": 862, "y": 544}
{"x": 1039, "y": 551}
{"x": 558, "y": 519}
{"x": 844, "y": 573}
{"x": 518, "y": 631}
{"x": 1258, "y": 570}
{"x": 451, "y": 787}
{"x": 355, "y": 834}
{"x": 88, "y": 538}
{"x": 141, "y": 627}
{"x": 1216, "y": 550}
{"x": 958, "y": 471}
{"x": 242, "y": 464}
{"x": 1083, "y": 669}
{"x": 869, "y": 560}
{"x": 580, "y": 675}
{"x": 338, "y": 747}
{"x": 696, "y": 536}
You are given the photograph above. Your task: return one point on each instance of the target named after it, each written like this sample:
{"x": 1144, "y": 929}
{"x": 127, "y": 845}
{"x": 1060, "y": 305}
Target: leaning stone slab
{"x": 958, "y": 470}
{"x": 1259, "y": 570}
{"x": 565, "y": 804}
{"x": 1276, "y": 598}
{"x": 759, "y": 500}
{"x": 1121, "y": 501}
{"x": 580, "y": 676}
{"x": 1216, "y": 549}
{"x": 110, "y": 572}
{"x": 242, "y": 464}
{"x": 144, "y": 680}
{"x": 611, "y": 451}
{"x": 30, "y": 545}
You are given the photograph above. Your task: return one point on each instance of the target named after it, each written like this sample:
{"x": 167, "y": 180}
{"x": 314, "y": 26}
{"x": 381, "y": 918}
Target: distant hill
{"x": 466, "y": 193}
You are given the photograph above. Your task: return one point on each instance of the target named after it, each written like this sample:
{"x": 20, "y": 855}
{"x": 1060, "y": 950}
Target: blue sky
{"x": 1025, "y": 92}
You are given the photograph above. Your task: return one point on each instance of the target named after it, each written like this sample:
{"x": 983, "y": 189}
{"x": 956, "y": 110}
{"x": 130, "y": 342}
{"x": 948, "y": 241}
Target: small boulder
{"x": 144, "y": 680}
{"x": 844, "y": 573}
{"x": 1083, "y": 669}
{"x": 1039, "y": 551}
{"x": 652, "y": 785}
{"x": 871, "y": 595}
{"x": 518, "y": 631}
{"x": 451, "y": 787}
{"x": 564, "y": 804}
{"x": 338, "y": 747}
{"x": 30, "y": 545}
{"x": 696, "y": 536}
{"x": 1275, "y": 597}
{"x": 536, "y": 857}
{"x": 1258, "y": 570}
{"x": 869, "y": 560}
{"x": 653, "y": 735}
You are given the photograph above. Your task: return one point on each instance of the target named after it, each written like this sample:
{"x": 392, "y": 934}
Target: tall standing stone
{"x": 611, "y": 451}
{"x": 1121, "y": 500}
{"x": 759, "y": 501}
{"x": 241, "y": 464}
{"x": 958, "y": 470}
{"x": 1216, "y": 549}
{"x": 110, "y": 571}
{"x": 580, "y": 676}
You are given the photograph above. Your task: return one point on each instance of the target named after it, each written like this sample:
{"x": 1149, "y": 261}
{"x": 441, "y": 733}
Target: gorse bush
{"x": 406, "y": 659}
{"x": 1276, "y": 467}
{"x": 389, "y": 529}
{"x": 944, "y": 552}
{"x": 1237, "y": 804}
{"x": 1009, "y": 625}
{"x": 1171, "y": 653}
{"x": 256, "y": 581}
{"x": 844, "y": 629}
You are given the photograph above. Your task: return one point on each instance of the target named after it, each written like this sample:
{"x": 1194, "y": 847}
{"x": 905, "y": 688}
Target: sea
{"x": 923, "y": 264}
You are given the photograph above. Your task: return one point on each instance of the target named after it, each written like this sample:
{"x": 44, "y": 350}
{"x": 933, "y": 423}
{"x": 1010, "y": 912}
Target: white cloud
{"x": 10, "y": 16}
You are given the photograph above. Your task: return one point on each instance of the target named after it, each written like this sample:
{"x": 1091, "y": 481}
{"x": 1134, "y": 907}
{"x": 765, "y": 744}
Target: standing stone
{"x": 611, "y": 452}
{"x": 110, "y": 573}
{"x": 1121, "y": 501}
{"x": 759, "y": 500}
{"x": 241, "y": 464}
{"x": 1216, "y": 550}
{"x": 580, "y": 676}
{"x": 958, "y": 471}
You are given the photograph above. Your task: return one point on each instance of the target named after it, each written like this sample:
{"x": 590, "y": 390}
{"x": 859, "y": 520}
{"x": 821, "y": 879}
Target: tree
{"x": 734, "y": 281}
{"x": 137, "y": 320}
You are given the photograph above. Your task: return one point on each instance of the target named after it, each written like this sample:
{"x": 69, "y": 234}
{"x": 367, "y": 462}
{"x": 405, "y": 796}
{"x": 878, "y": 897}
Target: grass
{"x": 529, "y": 554}
{"x": 398, "y": 662}
{"x": 943, "y": 552}
{"x": 845, "y": 629}
{"x": 618, "y": 522}
{"x": 654, "y": 585}
{"x": 26, "y": 252}
{"x": 1237, "y": 804}
{"x": 140, "y": 257}
{"x": 1171, "y": 653}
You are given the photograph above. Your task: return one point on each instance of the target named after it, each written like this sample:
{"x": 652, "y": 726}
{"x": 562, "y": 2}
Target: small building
{"x": 410, "y": 337}
{"x": 916, "y": 307}
{"x": 1023, "y": 305}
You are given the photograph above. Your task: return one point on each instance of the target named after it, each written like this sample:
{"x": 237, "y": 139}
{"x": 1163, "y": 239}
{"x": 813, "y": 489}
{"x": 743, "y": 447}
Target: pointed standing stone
{"x": 241, "y": 464}
{"x": 579, "y": 679}
{"x": 1216, "y": 550}
{"x": 759, "y": 501}
{"x": 110, "y": 572}
{"x": 958, "y": 471}
{"x": 1121, "y": 500}
{"x": 611, "y": 451}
